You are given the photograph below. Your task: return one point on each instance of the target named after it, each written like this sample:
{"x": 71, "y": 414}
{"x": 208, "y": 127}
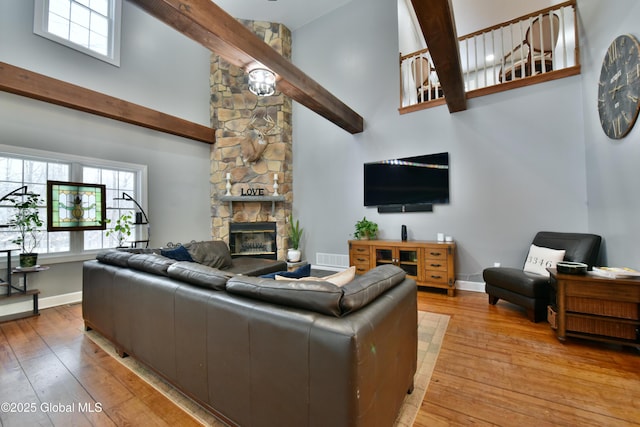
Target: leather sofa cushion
{"x": 214, "y": 253}
{"x": 255, "y": 266}
{"x": 199, "y": 275}
{"x": 114, "y": 257}
{"x": 151, "y": 263}
{"x": 320, "y": 297}
{"x": 515, "y": 280}
{"x": 369, "y": 286}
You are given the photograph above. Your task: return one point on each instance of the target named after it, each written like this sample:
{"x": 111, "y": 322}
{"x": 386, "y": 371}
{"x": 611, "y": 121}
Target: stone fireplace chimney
{"x": 253, "y": 143}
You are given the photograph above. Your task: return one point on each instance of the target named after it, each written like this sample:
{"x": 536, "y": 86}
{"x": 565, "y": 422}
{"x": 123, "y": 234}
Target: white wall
{"x": 612, "y": 165}
{"x": 160, "y": 69}
{"x": 474, "y": 15}
{"x": 517, "y": 157}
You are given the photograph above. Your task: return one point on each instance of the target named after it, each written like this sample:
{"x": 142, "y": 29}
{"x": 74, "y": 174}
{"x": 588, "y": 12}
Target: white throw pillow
{"x": 339, "y": 279}
{"x": 539, "y": 259}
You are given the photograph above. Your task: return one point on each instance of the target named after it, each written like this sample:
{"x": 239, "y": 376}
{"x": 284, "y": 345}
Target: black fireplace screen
{"x": 255, "y": 239}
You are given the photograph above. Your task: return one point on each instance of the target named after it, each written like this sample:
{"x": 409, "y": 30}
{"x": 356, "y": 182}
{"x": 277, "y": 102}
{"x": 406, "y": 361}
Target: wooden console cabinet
{"x": 596, "y": 308}
{"x": 430, "y": 264}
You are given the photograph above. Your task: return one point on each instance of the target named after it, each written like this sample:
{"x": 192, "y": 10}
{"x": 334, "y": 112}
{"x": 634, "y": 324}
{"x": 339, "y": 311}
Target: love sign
{"x": 252, "y": 191}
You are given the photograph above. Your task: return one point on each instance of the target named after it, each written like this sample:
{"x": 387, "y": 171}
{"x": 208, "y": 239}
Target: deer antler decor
{"x": 255, "y": 137}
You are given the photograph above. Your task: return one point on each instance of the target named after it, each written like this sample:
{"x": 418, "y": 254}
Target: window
{"x": 117, "y": 182}
{"x": 90, "y": 26}
{"x": 19, "y": 167}
{"x": 17, "y": 172}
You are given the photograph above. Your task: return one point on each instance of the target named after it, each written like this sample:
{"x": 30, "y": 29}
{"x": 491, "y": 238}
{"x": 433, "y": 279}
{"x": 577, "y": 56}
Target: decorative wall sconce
{"x": 262, "y": 82}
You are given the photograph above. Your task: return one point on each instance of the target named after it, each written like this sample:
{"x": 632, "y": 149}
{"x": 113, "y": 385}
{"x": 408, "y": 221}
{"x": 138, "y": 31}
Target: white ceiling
{"x": 470, "y": 15}
{"x": 292, "y": 13}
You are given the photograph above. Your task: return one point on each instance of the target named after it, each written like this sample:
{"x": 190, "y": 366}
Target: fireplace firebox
{"x": 255, "y": 239}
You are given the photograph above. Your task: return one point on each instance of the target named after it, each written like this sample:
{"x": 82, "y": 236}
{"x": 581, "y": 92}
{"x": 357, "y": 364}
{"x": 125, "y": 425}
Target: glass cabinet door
{"x": 384, "y": 256}
{"x": 408, "y": 261}
{"x": 405, "y": 258}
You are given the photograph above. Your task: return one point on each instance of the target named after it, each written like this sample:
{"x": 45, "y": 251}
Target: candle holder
{"x": 228, "y": 185}
{"x": 275, "y": 184}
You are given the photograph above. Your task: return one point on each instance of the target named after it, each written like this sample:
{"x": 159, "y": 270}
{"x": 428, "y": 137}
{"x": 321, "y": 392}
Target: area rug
{"x": 431, "y": 330}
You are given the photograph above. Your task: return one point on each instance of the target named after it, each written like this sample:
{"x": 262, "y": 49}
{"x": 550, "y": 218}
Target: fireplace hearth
{"x": 255, "y": 239}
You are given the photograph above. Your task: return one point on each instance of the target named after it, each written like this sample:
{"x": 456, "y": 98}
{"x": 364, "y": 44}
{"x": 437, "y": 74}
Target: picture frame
{"x": 76, "y": 206}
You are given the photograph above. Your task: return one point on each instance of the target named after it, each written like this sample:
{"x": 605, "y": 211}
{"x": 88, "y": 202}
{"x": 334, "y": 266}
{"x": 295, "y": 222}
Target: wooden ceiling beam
{"x": 439, "y": 28}
{"x": 208, "y": 24}
{"x": 37, "y": 86}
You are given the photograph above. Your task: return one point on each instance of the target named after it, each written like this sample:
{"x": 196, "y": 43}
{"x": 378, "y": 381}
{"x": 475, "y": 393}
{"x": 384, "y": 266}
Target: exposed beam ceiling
{"x": 206, "y": 23}
{"x": 37, "y": 86}
{"x": 439, "y": 29}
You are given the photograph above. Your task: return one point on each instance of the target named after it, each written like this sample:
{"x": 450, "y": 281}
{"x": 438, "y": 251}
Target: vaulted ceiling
{"x": 209, "y": 25}
{"x": 435, "y": 18}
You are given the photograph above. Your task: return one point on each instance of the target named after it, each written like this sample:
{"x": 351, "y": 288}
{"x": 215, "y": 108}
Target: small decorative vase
{"x": 293, "y": 255}
{"x": 28, "y": 260}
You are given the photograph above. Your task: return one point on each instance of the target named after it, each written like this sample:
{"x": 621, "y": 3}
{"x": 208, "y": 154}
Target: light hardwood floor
{"x": 498, "y": 368}
{"x": 495, "y": 368}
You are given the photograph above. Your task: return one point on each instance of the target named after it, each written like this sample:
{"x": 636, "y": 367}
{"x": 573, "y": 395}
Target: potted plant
{"x": 365, "y": 229}
{"x": 122, "y": 229}
{"x": 295, "y": 234}
{"x": 27, "y": 222}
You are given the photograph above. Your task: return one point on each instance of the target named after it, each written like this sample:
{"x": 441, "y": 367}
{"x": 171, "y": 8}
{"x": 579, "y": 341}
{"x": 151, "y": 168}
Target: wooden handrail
{"x": 480, "y": 72}
{"x": 570, "y": 3}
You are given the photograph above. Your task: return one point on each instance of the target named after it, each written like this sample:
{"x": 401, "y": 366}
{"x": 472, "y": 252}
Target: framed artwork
{"x": 76, "y": 206}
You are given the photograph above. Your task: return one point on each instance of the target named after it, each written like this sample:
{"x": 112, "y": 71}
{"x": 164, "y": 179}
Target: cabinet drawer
{"x": 435, "y": 254}
{"x": 360, "y": 250}
{"x": 436, "y": 264}
{"x": 361, "y": 268}
{"x": 360, "y": 259}
{"x": 621, "y": 309}
{"x": 603, "y": 327}
{"x": 436, "y": 276}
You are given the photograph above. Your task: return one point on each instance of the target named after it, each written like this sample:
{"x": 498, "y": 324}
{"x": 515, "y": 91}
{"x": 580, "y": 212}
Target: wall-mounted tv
{"x": 406, "y": 181}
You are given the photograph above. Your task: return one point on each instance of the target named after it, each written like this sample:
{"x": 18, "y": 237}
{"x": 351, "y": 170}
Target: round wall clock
{"x": 619, "y": 87}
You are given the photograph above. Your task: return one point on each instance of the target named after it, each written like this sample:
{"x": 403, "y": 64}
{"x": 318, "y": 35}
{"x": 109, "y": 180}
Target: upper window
{"x": 90, "y": 26}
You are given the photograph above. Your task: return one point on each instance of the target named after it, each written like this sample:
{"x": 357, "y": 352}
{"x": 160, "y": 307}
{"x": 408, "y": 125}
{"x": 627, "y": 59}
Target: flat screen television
{"x": 409, "y": 180}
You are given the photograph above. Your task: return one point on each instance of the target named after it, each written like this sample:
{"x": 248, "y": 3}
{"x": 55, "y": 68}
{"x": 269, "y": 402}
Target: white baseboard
{"x": 27, "y": 303}
{"x": 465, "y": 285}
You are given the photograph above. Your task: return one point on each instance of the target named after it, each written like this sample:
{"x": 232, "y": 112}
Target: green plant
{"x": 295, "y": 232}
{"x": 122, "y": 229}
{"x": 365, "y": 229}
{"x": 26, "y": 221}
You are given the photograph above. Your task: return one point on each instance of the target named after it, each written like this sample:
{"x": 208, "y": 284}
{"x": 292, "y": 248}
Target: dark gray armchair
{"x": 530, "y": 290}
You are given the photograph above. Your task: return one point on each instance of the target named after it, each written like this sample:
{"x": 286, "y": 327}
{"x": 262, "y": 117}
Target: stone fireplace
{"x": 253, "y": 144}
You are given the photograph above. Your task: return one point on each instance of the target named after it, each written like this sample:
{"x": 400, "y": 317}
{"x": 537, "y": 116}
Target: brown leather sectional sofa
{"x": 262, "y": 352}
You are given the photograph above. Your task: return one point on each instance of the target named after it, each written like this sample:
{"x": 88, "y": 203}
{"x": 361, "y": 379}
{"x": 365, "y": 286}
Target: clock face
{"x": 619, "y": 87}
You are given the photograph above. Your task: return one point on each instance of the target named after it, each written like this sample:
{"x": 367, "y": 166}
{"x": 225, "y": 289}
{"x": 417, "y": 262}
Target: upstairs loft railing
{"x": 536, "y": 47}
